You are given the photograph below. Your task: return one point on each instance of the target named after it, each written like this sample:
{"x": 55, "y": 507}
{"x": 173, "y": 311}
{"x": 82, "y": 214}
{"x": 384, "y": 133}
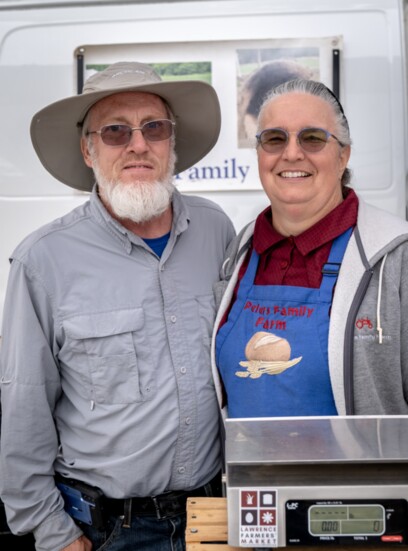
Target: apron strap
{"x": 331, "y": 269}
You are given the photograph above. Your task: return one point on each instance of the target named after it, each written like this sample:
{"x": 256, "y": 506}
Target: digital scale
{"x": 317, "y": 481}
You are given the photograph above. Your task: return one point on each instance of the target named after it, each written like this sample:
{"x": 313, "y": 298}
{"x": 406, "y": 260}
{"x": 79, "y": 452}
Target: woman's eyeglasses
{"x": 121, "y": 134}
{"x": 311, "y": 140}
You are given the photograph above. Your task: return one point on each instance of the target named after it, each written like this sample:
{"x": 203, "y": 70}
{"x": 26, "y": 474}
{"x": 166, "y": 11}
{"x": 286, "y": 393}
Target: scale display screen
{"x": 346, "y": 520}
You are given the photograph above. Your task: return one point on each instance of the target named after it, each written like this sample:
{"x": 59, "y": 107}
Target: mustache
{"x": 134, "y": 158}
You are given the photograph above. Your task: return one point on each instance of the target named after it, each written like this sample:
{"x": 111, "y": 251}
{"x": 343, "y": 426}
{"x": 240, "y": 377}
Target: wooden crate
{"x": 207, "y": 525}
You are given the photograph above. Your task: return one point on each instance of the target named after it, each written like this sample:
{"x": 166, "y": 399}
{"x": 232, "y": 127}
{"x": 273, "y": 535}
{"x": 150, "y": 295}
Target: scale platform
{"x": 299, "y": 481}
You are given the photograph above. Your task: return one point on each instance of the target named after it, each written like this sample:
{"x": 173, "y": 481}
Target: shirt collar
{"x": 325, "y": 230}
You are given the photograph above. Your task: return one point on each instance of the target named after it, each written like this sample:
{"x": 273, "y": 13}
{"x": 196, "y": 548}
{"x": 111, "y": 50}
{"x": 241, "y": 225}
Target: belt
{"x": 161, "y": 506}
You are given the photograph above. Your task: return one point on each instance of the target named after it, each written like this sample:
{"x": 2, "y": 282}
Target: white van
{"x": 48, "y": 48}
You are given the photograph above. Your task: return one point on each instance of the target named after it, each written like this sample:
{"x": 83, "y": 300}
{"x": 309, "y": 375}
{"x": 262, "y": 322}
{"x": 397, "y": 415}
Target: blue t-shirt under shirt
{"x": 158, "y": 244}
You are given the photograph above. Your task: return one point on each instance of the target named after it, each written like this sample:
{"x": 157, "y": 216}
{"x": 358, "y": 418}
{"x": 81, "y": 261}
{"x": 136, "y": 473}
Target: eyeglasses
{"x": 121, "y": 134}
{"x": 311, "y": 140}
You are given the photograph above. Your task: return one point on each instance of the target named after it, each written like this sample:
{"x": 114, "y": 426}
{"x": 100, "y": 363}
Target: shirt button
{"x": 181, "y": 470}
{"x": 183, "y": 370}
{"x": 188, "y": 420}
{"x": 284, "y": 264}
{"x": 173, "y": 319}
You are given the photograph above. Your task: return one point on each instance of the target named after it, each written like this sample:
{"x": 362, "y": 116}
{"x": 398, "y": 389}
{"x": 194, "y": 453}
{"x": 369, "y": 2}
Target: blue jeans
{"x": 146, "y": 533}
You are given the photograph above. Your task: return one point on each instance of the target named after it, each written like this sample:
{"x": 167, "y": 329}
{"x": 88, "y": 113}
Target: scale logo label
{"x": 258, "y": 518}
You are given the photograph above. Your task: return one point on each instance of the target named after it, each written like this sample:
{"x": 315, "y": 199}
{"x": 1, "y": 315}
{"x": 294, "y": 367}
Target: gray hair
{"x": 321, "y": 91}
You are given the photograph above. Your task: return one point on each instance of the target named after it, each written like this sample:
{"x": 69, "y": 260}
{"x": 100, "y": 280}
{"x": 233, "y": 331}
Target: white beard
{"x": 139, "y": 201}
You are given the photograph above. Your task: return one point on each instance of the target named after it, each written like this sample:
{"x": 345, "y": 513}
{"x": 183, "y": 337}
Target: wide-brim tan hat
{"x": 56, "y": 129}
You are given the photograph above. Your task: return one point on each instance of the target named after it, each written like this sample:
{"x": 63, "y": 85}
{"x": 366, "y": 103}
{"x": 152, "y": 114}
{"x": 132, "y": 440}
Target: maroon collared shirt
{"x": 297, "y": 260}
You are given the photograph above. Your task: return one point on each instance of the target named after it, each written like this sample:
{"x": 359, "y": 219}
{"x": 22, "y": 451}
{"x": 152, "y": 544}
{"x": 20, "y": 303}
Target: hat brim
{"x": 56, "y": 136}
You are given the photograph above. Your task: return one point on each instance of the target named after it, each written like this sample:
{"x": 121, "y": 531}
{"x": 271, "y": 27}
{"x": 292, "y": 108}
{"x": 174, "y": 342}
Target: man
{"x": 105, "y": 367}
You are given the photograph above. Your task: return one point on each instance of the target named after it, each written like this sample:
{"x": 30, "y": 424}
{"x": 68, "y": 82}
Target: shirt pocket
{"x": 104, "y": 345}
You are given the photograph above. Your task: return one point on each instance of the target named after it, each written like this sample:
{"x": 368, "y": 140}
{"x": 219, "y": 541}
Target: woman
{"x": 314, "y": 314}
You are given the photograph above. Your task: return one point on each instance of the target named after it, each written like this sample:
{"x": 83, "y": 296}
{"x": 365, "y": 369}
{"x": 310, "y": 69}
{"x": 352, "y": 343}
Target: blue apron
{"x": 272, "y": 352}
